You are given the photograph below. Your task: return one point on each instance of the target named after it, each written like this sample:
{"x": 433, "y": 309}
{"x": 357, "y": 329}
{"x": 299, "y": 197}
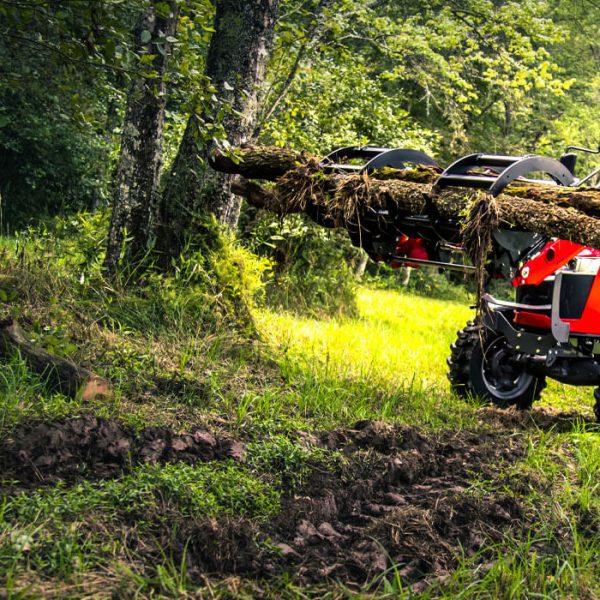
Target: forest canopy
{"x": 443, "y": 77}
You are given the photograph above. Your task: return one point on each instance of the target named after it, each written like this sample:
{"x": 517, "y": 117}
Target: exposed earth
{"x": 393, "y": 497}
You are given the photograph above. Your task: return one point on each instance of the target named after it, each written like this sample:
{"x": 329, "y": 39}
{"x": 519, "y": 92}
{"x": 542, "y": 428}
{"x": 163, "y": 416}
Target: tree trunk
{"x": 235, "y": 64}
{"x": 135, "y": 190}
{"x": 362, "y": 265}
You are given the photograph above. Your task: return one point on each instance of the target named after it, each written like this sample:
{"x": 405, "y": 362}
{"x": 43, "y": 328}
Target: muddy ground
{"x": 402, "y": 498}
{"x": 397, "y": 496}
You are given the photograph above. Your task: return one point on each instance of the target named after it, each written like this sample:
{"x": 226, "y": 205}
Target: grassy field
{"x": 315, "y": 458}
{"x": 396, "y": 353}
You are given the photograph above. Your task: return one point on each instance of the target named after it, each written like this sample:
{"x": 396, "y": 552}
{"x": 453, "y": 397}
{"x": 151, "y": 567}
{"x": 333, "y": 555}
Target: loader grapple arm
{"x": 494, "y": 172}
{"x": 374, "y": 158}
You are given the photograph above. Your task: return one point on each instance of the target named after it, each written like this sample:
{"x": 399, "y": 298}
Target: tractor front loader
{"x": 550, "y": 329}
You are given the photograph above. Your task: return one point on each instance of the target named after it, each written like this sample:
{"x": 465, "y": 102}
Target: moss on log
{"x": 270, "y": 163}
{"x": 259, "y": 162}
{"x": 338, "y": 198}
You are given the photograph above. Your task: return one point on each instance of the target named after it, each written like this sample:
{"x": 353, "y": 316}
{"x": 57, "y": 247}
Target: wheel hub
{"x": 501, "y": 375}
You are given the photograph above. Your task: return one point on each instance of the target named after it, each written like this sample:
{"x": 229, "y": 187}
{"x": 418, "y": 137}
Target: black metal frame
{"x": 501, "y": 171}
{"x": 375, "y": 226}
{"x": 375, "y": 158}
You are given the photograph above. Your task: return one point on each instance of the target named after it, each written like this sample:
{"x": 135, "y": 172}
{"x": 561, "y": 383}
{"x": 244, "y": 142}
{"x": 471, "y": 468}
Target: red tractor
{"x": 552, "y": 327}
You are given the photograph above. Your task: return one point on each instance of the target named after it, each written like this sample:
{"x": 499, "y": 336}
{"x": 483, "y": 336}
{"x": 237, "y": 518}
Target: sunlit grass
{"x": 399, "y": 344}
{"x": 397, "y": 338}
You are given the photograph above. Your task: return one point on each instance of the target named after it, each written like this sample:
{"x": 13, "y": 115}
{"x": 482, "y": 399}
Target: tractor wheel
{"x": 480, "y": 365}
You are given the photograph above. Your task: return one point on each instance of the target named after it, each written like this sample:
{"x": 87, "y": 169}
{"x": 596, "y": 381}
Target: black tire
{"x": 478, "y": 367}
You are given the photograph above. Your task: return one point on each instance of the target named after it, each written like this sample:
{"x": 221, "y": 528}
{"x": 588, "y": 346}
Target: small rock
{"x": 328, "y": 531}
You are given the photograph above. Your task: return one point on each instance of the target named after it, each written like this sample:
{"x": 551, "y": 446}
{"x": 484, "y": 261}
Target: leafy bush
{"x": 215, "y": 281}
{"x": 311, "y": 272}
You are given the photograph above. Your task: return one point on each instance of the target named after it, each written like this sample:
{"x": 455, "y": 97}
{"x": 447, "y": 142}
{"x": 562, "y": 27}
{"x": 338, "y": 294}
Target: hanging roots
{"x": 352, "y": 193}
{"x": 482, "y": 220}
{"x": 301, "y": 187}
{"x": 337, "y": 198}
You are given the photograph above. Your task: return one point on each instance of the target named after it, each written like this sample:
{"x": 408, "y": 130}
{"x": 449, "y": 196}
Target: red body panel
{"x": 531, "y": 319}
{"x": 555, "y": 255}
{"x": 590, "y": 319}
{"x": 411, "y": 248}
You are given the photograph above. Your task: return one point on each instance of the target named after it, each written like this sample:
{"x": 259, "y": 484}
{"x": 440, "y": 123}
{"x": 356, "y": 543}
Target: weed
{"x": 292, "y": 462}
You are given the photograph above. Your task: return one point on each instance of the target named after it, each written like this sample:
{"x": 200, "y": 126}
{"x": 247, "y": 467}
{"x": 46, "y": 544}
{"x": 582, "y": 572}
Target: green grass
{"x": 24, "y": 395}
{"x": 62, "y": 532}
{"x": 390, "y": 362}
{"x": 291, "y": 376}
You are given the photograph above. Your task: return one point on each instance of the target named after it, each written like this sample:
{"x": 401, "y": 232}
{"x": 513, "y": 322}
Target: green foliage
{"x": 19, "y": 392}
{"x": 311, "y": 274}
{"x": 340, "y": 103}
{"x": 424, "y": 74}
{"x": 575, "y": 118}
{"x": 424, "y": 281}
{"x": 216, "y": 281}
{"x": 63, "y": 65}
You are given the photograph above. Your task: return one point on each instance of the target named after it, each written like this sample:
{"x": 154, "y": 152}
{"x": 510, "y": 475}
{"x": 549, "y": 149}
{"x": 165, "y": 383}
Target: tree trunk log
{"x": 62, "y": 375}
{"x": 339, "y": 197}
{"x": 258, "y": 162}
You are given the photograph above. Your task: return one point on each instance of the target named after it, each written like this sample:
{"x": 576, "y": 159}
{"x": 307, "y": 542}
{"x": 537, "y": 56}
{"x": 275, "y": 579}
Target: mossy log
{"x": 61, "y": 375}
{"x": 270, "y": 164}
{"x": 337, "y": 198}
{"x": 259, "y": 162}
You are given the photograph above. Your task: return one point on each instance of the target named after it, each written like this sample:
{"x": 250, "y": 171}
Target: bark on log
{"x": 268, "y": 163}
{"x": 340, "y": 196}
{"x": 259, "y": 162}
{"x": 585, "y": 200}
{"x": 62, "y": 375}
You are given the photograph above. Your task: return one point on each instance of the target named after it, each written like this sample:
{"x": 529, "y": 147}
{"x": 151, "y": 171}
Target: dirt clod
{"x": 92, "y": 447}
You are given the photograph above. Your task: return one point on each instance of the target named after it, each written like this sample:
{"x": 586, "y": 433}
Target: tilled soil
{"x": 39, "y": 453}
{"x": 398, "y": 497}
{"x": 401, "y": 498}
